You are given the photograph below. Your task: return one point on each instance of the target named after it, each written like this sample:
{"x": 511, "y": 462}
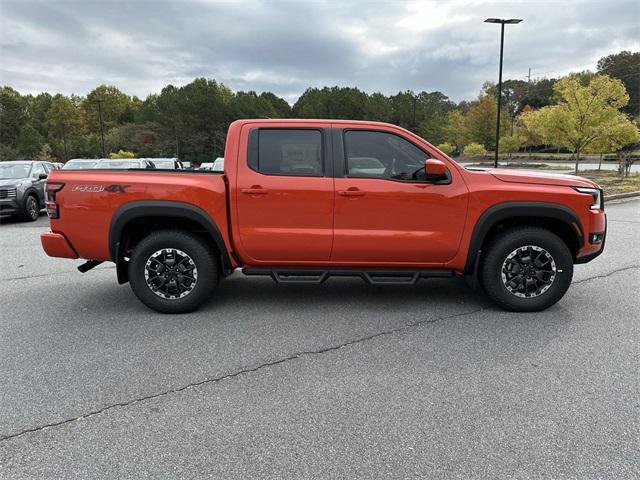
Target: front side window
{"x": 37, "y": 170}
{"x": 289, "y": 152}
{"x": 383, "y": 155}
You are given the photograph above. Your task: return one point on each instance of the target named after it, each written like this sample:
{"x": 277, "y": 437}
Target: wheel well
{"x": 138, "y": 228}
{"x": 32, "y": 193}
{"x": 563, "y": 230}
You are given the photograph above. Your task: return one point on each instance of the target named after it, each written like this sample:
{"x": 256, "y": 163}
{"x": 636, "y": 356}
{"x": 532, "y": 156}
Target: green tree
{"x": 38, "y": 106}
{"x": 625, "y": 66}
{"x": 530, "y": 138}
{"x": 250, "y": 105}
{"x": 455, "y": 129}
{"x": 63, "y": 119}
{"x": 13, "y": 116}
{"x": 510, "y": 144}
{"x": 582, "y": 114}
{"x": 280, "y": 106}
{"x": 106, "y": 100}
{"x": 618, "y": 133}
{"x": 29, "y": 142}
{"x": 377, "y": 108}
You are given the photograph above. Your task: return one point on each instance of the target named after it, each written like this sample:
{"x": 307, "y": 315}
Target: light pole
{"x": 502, "y": 22}
{"x": 99, "y": 102}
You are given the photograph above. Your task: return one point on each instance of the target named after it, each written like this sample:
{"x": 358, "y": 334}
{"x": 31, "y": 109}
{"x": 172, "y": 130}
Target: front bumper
{"x": 56, "y": 245}
{"x": 9, "y": 205}
{"x": 598, "y": 228}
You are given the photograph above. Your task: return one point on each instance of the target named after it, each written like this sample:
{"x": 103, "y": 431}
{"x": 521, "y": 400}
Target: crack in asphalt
{"x": 40, "y": 275}
{"x": 238, "y": 373}
{"x": 612, "y": 272}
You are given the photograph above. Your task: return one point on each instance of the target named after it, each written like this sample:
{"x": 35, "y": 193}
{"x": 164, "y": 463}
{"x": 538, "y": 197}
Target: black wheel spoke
{"x": 171, "y": 273}
{"x": 528, "y": 271}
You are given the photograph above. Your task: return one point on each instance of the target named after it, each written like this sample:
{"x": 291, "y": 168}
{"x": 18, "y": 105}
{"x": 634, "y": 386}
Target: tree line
{"x": 190, "y": 122}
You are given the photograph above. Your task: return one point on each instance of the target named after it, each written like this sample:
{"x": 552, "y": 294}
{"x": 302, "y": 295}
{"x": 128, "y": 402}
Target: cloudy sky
{"x": 287, "y": 46}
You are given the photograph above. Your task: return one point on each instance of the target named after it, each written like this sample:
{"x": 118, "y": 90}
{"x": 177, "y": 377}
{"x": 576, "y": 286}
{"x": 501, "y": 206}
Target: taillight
{"x": 50, "y": 191}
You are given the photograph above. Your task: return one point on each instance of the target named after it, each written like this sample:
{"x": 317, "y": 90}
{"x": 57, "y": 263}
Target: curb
{"x": 622, "y": 195}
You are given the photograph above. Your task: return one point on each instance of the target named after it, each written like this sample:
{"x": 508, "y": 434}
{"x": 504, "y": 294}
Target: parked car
{"x": 22, "y": 188}
{"x": 218, "y": 165}
{"x": 167, "y": 163}
{"x": 124, "y": 163}
{"x": 57, "y": 165}
{"x": 80, "y": 164}
{"x": 290, "y": 206}
{"x": 215, "y": 166}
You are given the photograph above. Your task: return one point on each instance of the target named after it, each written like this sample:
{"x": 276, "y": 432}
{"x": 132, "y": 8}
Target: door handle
{"x": 351, "y": 193}
{"x": 255, "y": 190}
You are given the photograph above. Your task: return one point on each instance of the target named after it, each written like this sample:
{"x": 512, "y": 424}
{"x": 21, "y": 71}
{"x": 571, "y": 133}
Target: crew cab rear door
{"x": 284, "y": 193}
{"x": 387, "y": 211}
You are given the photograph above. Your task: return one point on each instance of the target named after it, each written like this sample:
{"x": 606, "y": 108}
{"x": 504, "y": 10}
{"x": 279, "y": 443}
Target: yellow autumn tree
{"x": 584, "y": 112}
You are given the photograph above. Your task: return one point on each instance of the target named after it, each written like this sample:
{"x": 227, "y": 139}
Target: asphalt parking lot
{"x": 342, "y": 380}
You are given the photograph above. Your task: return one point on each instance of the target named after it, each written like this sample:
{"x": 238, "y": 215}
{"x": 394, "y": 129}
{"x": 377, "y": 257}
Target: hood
{"x": 11, "y": 182}
{"x": 540, "y": 178}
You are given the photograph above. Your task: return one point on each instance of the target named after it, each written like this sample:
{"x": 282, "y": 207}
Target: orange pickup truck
{"x": 305, "y": 200}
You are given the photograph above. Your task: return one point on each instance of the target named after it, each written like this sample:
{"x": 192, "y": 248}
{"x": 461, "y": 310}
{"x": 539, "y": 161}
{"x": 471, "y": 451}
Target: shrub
{"x": 475, "y": 150}
{"x": 122, "y": 154}
{"x": 446, "y": 148}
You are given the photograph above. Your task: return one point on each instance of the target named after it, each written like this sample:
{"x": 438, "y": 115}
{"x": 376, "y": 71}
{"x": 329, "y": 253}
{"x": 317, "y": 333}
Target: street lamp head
{"x": 500, "y": 20}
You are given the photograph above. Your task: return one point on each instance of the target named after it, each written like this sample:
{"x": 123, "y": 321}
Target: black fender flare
{"x": 31, "y": 190}
{"x": 503, "y": 211}
{"x": 162, "y": 208}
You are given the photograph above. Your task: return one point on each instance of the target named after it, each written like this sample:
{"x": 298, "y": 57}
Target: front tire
{"x": 173, "y": 271}
{"x": 526, "y": 269}
{"x": 30, "y": 209}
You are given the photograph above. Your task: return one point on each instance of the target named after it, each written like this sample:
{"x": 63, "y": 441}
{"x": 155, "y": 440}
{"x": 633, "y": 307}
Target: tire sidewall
{"x": 26, "y": 215}
{"x": 205, "y": 262}
{"x": 510, "y": 241}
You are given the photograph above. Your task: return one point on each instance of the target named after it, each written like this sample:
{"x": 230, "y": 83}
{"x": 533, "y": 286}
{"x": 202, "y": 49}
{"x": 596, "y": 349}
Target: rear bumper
{"x": 56, "y": 245}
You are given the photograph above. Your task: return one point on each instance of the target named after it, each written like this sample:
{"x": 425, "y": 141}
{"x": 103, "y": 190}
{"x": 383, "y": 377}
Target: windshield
{"x": 15, "y": 170}
{"x": 106, "y": 164}
{"x": 78, "y": 165}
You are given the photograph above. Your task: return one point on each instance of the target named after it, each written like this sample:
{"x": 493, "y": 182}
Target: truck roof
{"x": 313, "y": 120}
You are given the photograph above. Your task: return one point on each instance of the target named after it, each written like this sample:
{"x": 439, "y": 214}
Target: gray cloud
{"x": 284, "y": 47}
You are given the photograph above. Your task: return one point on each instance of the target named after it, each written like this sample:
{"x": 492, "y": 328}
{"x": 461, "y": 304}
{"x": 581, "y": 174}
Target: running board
{"x": 373, "y": 277}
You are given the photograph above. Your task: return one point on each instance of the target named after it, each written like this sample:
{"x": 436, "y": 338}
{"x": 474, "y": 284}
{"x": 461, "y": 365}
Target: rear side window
{"x": 294, "y": 152}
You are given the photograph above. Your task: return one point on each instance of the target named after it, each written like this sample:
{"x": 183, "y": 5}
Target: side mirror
{"x": 435, "y": 168}
{"x": 42, "y": 176}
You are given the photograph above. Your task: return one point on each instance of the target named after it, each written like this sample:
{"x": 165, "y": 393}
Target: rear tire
{"x": 173, "y": 271}
{"x": 526, "y": 269}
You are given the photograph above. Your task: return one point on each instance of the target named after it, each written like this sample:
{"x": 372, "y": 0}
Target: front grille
{"x": 8, "y": 193}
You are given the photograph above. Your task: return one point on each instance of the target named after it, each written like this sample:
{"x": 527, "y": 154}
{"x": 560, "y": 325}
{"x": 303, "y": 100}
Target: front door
{"x": 285, "y": 195}
{"x": 386, "y": 210}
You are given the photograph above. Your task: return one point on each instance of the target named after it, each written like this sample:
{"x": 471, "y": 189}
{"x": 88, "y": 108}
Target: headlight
{"x": 596, "y": 193}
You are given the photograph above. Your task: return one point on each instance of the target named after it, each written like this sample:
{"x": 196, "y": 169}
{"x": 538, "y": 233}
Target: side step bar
{"x": 373, "y": 277}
